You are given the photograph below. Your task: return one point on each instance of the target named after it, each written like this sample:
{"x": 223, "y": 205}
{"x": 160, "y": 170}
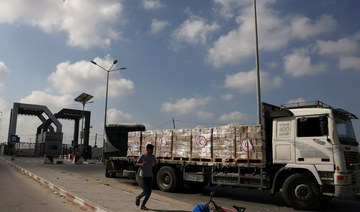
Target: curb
{"x": 56, "y": 189}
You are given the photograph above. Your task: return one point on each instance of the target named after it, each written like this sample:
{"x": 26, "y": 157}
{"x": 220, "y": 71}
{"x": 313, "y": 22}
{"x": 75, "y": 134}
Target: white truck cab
{"x": 318, "y": 139}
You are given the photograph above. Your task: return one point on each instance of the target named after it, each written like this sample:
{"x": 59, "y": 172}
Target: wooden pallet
{"x": 221, "y": 160}
{"x": 132, "y": 156}
{"x": 180, "y": 159}
{"x": 248, "y": 161}
{"x": 163, "y": 158}
{"x": 201, "y": 159}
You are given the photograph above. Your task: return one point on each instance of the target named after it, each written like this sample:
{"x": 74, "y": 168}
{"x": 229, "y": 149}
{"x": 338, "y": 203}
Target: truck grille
{"x": 352, "y": 158}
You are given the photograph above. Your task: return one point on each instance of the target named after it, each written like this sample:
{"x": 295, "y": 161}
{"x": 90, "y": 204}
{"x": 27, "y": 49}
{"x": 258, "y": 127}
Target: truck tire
{"x": 167, "y": 180}
{"x": 301, "y": 192}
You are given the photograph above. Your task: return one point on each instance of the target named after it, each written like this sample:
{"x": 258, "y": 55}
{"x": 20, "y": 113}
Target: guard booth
{"x": 49, "y": 143}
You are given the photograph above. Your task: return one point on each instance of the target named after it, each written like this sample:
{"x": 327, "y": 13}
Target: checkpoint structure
{"x": 49, "y": 135}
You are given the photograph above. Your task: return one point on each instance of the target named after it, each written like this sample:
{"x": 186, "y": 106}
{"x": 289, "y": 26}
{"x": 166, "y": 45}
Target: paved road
{"x": 253, "y": 200}
{"x": 186, "y": 199}
{"x": 20, "y": 193}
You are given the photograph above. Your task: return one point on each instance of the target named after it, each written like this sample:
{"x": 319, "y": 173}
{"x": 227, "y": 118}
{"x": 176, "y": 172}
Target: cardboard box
{"x": 224, "y": 142}
{"x": 181, "y": 143}
{"x": 254, "y": 131}
{"x": 201, "y": 143}
{"x": 164, "y": 143}
{"x": 134, "y": 143}
{"x": 249, "y": 142}
{"x": 148, "y": 137}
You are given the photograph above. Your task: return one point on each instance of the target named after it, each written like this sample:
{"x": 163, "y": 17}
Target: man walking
{"x": 146, "y": 162}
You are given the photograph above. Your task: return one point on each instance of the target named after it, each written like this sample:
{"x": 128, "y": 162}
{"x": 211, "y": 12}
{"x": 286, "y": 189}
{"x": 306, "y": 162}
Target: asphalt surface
{"x": 89, "y": 183}
{"x": 19, "y": 193}
{"x": 91, "y": 193}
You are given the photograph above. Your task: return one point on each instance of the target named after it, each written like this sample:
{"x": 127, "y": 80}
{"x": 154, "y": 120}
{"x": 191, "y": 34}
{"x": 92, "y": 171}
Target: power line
{"x": 163, "y": 124}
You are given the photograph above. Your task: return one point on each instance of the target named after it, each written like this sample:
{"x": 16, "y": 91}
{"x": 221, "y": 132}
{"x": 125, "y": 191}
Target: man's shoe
{"x": 137, "y": 201}
{"x": 144, "y": 208}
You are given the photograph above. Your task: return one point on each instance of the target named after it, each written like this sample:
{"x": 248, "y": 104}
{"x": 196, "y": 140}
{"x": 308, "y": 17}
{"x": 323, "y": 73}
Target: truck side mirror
{"x": 324, "y": 125}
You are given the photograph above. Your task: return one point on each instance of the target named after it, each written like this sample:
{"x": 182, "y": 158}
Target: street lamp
{"x": 258, "y": 95}
{"x": 106, "y": 95}
{"x": 84, "y": 99}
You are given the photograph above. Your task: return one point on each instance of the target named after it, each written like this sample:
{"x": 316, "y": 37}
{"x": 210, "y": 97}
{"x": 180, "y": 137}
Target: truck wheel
{"x": 167, "y": 180}
{"x": 300, "y": 192}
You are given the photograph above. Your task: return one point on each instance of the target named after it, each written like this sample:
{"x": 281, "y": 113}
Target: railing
{"x": 29, "y": 149}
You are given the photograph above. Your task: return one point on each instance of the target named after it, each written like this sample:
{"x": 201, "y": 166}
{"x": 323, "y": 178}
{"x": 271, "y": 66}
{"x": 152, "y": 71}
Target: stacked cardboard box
{"x": 181, "y": 143}
{"x": 201, "y": 143}
{"x": 255, "y": 133}
{"x": 248, "y": 142}
{"x": 148, "y": 137}
{"x": 224, "y": 142}
{"x": 134, "y": 143}
{"x": 164, "y": 143}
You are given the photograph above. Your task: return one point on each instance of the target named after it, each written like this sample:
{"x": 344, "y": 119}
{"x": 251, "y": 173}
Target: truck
{"x": 307, "y": 151}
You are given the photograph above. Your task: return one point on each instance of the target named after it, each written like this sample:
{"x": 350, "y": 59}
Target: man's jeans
{"x": 147, "y": 188}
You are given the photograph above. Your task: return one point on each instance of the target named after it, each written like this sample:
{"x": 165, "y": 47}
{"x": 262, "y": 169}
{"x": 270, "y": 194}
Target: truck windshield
{"x": 345, "y": 131}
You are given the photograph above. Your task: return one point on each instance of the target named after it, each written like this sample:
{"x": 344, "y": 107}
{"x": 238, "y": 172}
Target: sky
{"x": 191, "y": 61}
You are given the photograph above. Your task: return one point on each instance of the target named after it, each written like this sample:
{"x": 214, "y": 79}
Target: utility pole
{"x": 95, "y": 140}
{"x": 173, "y": 120}
{"x": 257, "y": 69}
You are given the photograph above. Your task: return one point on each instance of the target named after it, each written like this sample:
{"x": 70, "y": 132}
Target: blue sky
{"x": 191, "y": 60}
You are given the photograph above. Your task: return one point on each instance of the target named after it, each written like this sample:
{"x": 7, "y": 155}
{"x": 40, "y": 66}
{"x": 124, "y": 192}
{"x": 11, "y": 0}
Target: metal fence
{"x": 37, "y": 150}
{"x": 29, "y": 149}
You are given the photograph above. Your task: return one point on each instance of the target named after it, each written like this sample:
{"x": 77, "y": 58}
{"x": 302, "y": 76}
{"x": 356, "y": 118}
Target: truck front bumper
{"x": 352, "y": 189}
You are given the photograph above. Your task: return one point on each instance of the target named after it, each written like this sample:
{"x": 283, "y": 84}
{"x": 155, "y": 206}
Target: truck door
{"x": 283, "y": 141}
{"x": 312, "y": 144}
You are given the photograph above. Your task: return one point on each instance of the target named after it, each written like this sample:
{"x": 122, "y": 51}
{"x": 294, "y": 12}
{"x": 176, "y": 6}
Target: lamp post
{"x": 84, "y": 99}
{"x": 258, "y": 95}
{"x": 106, "y": 95}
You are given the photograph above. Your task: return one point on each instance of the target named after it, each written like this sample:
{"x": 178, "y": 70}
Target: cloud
{"x": 349, "y": 62}
{"x": 299, "y": 64}
{"x": 88, "y": 23}
{"x": 186, "y": 106}
{"x": 53, "y": 102}
{"x": 245, "y": 82}
{"x": 92, "y": 23}
{"x": 204, "y": 115}
{"x": 227, "y": 97}
{"x": 229, "y": 8}
{"x": 303, "y": 27}
{"x": 83, "y": 76}
{"x": 300, "y": 99}
{"x": 152, "y": 4}
{"x": 2, "y": 106}
{"x": 342, "y": 46}
{"x": 276, "y": 30}
{"x": 157, "y": 26}
{"x": 116, "y": 116}
{"x": 193, "y": 31}
{"x": 4, "y": 71}
{"x": 234, "y": 116}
